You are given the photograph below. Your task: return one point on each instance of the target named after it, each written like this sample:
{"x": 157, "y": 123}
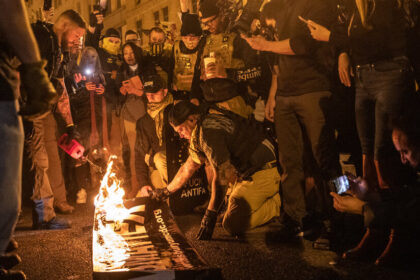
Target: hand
{"x": 318, "y": 32}
{"x": 91, "y": 86}
{"x": 79, "y": 77}
{"x": 145, "y": 191}
{"x": 207, "y": 225}
{"x": 344, "y": 69}
{"x": 96, "y": 18}
{"x": 269, "y": 109}
{"x": 40, "y": 93}
{"x": 114, "y": 74}
{"x": 195, "y": 101}
{"x": 348, "y": 204}
{"x": 258, "y": 43}
{"x": 99, "y": 89}
{"x": 159, "y": 194}
{"x": 72, "y": 133}
{"x": 358, "y": 187}
{"x": 123, "y": 90}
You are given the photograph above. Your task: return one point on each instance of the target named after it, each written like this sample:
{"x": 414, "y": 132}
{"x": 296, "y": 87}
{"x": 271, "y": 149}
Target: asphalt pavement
{"x": 66, "y": 254}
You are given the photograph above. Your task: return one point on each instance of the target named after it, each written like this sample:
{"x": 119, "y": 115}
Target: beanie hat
{"x": 191, "y": 25}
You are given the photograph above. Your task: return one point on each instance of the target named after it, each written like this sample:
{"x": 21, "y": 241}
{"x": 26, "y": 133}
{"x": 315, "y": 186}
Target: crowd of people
{"x": 260, "y": 117}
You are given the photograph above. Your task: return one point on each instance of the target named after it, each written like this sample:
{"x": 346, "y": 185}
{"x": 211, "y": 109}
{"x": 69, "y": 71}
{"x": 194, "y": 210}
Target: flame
{"x": 110, "y": 250}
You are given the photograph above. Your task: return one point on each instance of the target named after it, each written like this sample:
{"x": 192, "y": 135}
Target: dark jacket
{"x": 147, "y": 142}
{"x": 385, "y": 40}
{"x": 303, "y": 72}
{"x": 8, "y": 75}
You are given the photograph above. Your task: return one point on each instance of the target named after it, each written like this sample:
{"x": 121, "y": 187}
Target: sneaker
{"x": 11, "y": 275}
{"x": 64, "y": 208}
{"x": 81, "y": 196}
{"x": 54, "y": 223}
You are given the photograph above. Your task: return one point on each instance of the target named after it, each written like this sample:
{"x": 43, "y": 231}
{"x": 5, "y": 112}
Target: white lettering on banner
{"x": 178, "y": 255}
{"x": 193, "y": 192}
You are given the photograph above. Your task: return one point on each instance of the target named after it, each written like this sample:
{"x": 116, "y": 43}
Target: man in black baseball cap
{"x": 150, "y": 147}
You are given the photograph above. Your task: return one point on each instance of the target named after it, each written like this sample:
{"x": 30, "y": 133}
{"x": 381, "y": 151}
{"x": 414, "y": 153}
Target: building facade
{"x": 138, "y": 15}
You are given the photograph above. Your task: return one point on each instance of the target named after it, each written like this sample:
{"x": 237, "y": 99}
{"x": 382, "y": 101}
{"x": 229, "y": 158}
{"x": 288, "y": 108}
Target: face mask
{"x": 112, "y": 48}
{"x": 156, "y": 49}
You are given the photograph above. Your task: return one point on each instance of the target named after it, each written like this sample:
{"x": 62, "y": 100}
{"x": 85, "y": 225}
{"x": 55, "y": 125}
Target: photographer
{"x": 396, "y": 215}
{"x": 298, "y": 103}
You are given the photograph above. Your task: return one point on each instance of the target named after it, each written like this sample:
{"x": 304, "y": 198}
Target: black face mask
{"x": 156, "y": 49}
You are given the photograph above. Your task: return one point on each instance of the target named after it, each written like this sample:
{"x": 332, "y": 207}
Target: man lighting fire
{"x": 243, "y": 162}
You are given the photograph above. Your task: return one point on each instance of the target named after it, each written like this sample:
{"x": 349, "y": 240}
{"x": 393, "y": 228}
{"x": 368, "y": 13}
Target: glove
{"x": 40, "y": 93}
{"x": 72, "y": 133}
{"x": 207, "y": 225}
{"x": 159, "y": 194}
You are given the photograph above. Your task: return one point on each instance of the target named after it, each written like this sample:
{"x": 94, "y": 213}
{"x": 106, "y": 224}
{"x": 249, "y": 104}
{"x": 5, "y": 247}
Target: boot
{"x": 368, "y": 248}
{"x": 11, "y": 275}
{"x": 54, "y": 223}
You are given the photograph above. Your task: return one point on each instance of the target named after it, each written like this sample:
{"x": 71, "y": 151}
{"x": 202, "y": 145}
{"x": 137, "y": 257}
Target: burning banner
{"x": 139, "y": 239}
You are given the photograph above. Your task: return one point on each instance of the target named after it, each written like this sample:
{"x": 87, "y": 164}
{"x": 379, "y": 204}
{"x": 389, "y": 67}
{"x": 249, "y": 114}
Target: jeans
{"x": 11, "y": 151}
{"x": 380, "y": 92}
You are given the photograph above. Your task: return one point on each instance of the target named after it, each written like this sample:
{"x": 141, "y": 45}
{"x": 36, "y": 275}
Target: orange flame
{"x": 110, "y": 250}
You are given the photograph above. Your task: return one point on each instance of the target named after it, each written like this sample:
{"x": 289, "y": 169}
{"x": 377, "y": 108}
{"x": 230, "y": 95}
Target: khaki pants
{"x": 253, "y": 203}
{"x": 54, "y": 171}
{"x": 160, "y": 162}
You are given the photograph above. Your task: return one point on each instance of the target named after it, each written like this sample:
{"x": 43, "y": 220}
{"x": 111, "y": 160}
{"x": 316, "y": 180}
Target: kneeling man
{"x": 242, "y": 159}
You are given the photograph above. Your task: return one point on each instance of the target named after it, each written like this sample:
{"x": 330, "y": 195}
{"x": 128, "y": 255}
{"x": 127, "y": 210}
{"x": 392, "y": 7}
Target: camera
{"x": 240, "y": 14}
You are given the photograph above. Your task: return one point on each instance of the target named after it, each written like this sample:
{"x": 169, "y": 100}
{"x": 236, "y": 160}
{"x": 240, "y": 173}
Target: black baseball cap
{"x": 208, "y": 8}
{"x": 112, "y": 32}
{"x": 153, "y": 83}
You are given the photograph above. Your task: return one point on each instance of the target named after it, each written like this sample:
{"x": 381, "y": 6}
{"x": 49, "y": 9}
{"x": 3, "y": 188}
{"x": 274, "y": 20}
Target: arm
{"x": 261, "y": 44}
{"x": 225, "y": 174}
{"x": 271, "y": 101}
{"x": 63, "y": 105}
{"x": 183, "y": 175}
{"x": 14, "y": 26}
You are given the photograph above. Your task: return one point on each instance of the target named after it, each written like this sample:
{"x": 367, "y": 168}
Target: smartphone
{"x": 341, "y": 184}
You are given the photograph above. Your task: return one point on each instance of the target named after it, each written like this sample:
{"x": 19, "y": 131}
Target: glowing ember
{"x": 110, "y": 250}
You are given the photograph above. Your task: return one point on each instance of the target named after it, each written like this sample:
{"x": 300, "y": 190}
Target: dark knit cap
{"x": 180, "y": 112}
{"x": 208, "y": 8}
{"x": 219, "y": 89}
{"x": 153, "y": 83}
{"x": 191, "y": 25}
{"x": 112, "y": 32}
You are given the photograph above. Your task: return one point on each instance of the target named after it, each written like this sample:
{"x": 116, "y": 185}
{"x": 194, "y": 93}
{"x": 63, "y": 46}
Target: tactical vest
{"x": 222, "y": 46}
{"x": 184, "y": 65}
{"x": 246, "y": 137}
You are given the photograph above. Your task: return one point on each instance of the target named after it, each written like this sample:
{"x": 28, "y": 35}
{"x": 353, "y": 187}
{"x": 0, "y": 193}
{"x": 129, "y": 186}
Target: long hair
{"x": 86, "y": 62}
{"x": 144, "y": 65}
{"x": 365, "y": 13}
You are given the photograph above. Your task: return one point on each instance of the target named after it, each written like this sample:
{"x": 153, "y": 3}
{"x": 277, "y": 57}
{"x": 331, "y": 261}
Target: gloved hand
{"x": 96, "y": 18}
{"x": 38, "y": 90}
{"x": 207, "y": 225}
{"x": 159, "y": 194}
{"x": 72, "y": 133}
